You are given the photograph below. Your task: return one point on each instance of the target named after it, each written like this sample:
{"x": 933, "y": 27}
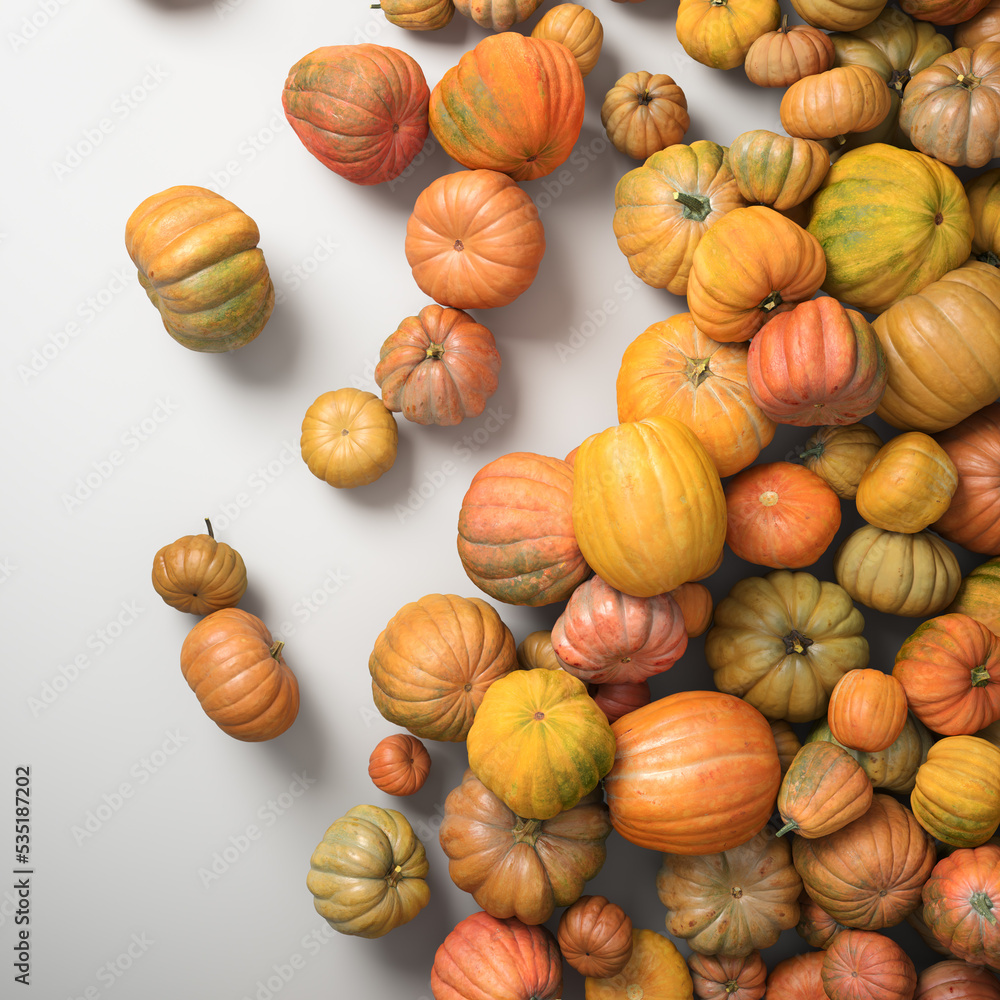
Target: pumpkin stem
{"x": 783, "y": 27}
{"x": 983, "y": 905}
{"x": 696, "y": 370}
{"x": 208, "y": 524}
{"x": 435, "y": 351}
{"x": 970, "y": 82}
{"x": 980, "y": 676}
{"x": 526, "y": 831}
{"x": 394, "y": 876}
{"x": 814, "y": 452}
{"x": 899, "y": 79}
{"x": 989, "y": 257}
{"x": 796, "y": 642}
{"x": 696, "y": 206}
{"x": 732, "y": 985}
{"x": 771, "y": 302}
{"x": 276, "y": 649}
{"x": 787, "y": 828}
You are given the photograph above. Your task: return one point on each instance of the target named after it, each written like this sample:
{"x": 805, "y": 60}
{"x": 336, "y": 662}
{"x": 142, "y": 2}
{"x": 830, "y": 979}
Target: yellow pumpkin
{"x": 719, "y": 33}
{"x": 656, "y": 971}
{"x": 575, "y": 27}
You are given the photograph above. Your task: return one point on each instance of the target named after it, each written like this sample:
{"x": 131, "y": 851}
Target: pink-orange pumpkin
{"x": 864, "y": 965}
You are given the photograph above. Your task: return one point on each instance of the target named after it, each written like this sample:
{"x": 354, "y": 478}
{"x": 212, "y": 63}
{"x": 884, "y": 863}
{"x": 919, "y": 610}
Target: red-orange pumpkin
{"x": 595, "y": 937}
{"x": 797, "y": 978}
{"x": 618, "y": 698}
{"x": 399, "y": 765}
{"x": 816, "y": 927}
{"x": 862, "y": 965}
{"x": 728, "y": 977}
{"x": 953, "y": 979}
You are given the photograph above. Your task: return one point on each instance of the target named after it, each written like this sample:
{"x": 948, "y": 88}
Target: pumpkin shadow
{"x": 390, "y": 488}
{"x": 270, "y": 357}
{"x": 180, "y": 4}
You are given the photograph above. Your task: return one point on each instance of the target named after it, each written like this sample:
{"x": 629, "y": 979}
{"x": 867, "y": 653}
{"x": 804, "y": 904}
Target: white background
{"x": 95, "y": 702}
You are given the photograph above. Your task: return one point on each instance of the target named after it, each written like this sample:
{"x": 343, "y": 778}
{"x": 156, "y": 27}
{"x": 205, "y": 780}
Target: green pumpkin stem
{"x": 980, "y": 676}
{"x": 983, "y": 905}
{"x": 989, "y": 257}
{"x": 208, "y": 524}
{"x": 276, "y": 649}
{"x": 783, "y": 27}
{"x": 696, "y": 206}
{"x": 787, "y": 828}
{"x": 697, "y": 370}
{"x": 814, "y": 452}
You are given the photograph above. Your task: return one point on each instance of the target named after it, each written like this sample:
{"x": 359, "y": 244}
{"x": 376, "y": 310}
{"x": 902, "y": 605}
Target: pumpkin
{"x": 349, "y": 438}
{"x": 604, "y": 635}
{"x": 751, "y": 264}
{"x": 787, "y": 742}
{"x": 863, "y": 224}
{"x": 908, "y": 484}
{"x": 957, "y": 793}
{"x": 943, "y": 346}
{"x": 916, "y": 921}
{"x": 824, "y": 789}
{"x": 719, "y": 33}
{"x": 897, "y": 573}
{"x": 648, "y": 508}
{"x": 782, "y": 642}
{"x": 895, "y": 768}
{"x": 961, "y": 902}
{"x": 665, "y": 207}
{"x": 950, "y": 110}
{"x": 483, "y": 956}
{"x": 434, "y": 661}
{"x": 656, "y": 970}
{"x": 198, "y": 574}
{"x": 943, "y": 11}
{"x": 788, "y": 53}
{"x": 867, "y": 710}
{"x": 535, "y": 650}
{"x": 595, "y": 937}
{"x": 728, "y": 977}
{"x": 797, "y": 978}
{"x": 696, "y": 604}
{"x": 695, "y": 772}
{"x": 198, "y": 262}
{"x": 368, "y": 873}
{"x": 733, "y": 902}
{"x": 839, "y": 455}
{"x": 673, "y": 369}
{"x": 777, "y": 170}
{"x": 512, "y": 104}
{"x": 950, "y": 670}
{"x": 816, "y": 927}
{"x": 497, "y": 15}
{"x": 644, "y": 113}
{"x": 399, "y": 765}
{"x": 817, "y": 364}
{"x": 983, "y": 192}
{"x": 418, "y": 15}
{"x": 517, "y": 867}
{"x": 956, "y": 980}
{"x": 838, "y": 15}
{"x": 474, "y": 240}
{"x": 977, "y": 595}
{"x": 237, "y": 670}
{"x": 841, "y": 99}
{"x": 515, "y": 530}
{"x": 439, "y": 367}
{"x": 983, "y": 26}
{"x": 575, "y": 27}
{"x": 539, "y": 742}
{"x": 618, "y": 698}
{"x": 780, "y": 515}
{"x": 361, "y": 110}
{"x": 862, "y": 964}
{"x": 868, "y": 874}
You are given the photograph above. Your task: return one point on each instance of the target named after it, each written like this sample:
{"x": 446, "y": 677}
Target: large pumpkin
{"x": 513, "y": 104}
{"x": 236, "y": 669}
{"x": 943, "y": 11}
{"x": 954, "y": 978}
{"x": 361, "y": 110}
{"x": 695, "y": 772}
{"x": 649, "y": 512}
{"x": 198, "y": 261}
{"x": 433, "y": 662}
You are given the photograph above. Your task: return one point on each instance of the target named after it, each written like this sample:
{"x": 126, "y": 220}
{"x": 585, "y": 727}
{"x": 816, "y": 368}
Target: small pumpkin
{"x": 719, "y": 33}
{"x": 728, "y": 977}
{"x": 839, "y": 455}
{"x": 788, "y": 53}
{"x": 867, "y": 710}
{"x": 199, "y": 264}
{"x": 438, "y": 367}
{"x": 368, "y": 873}
{"x": 696, "y": 604}
{"x": 577, "y": 28}
{"x": 399, "y": 765}
{"x": 644, "y": 113}
{"x": 418, "y": 15}
{"x": 239, "y": 674}
{"x": 777, "y": 170}
{"x": 349, "y": 438}
{"x": 861, "y": 964}
{"x": 797, "y": 978}
{"x": 595, "y": 937}
{"x": 535, "y": 650}
{"x": 656, "y": 970}
{"x": 198, "y": 574}
{"x": 497, "y": 15}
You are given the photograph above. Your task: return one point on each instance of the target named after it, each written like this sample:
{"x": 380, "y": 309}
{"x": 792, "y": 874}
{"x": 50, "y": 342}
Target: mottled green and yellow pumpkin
{"x": 777, "y": 170}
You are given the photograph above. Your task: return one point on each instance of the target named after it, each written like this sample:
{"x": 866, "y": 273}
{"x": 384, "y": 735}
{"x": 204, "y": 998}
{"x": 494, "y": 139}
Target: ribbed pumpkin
{"x": 368, "y": 874}
{"x": 733, "y": 902}
{"x": 751, "y": 264}
{"x": 434, "y": 661}
{"x": 665, "y": 207}
{"x": 361, "y": 110}
{"x": 957, "y": 794}
{"x": 656, "y": 970}
{"x": 953, "y": 979}
{"x": 978, "y": 595}
{"x": 728, "y": 977}
{"x": 824, "y": 789}
{"x": 778, "y": 58}
{"x": 868, "y": 874}
{"x": 513, "y": 104}
{"x": 867, "y": 710}
{"x": 497, "y": 15}
{"x": 198, "y": 574}
{"x": 644, "y": 113}
{"x": 839, "y": 100}
{"x": 950, "y": 670}
{"x": 488, "y": 957}
{"x": 983, "y": 26}
{"x": 595, "y": 937}
{"x": 349, "y": 438}
{"x": 399, "y": 765}
{"x": 983, "y": 192}
{"x": 418, "y": 15}
{"x": 719, "y": 33}
{"x": 695, "y": 772}
{"x": 860, "y": 965}
{"x": 696, "y": 604}
{"x": 439, "y": 367}
{"x": 575, "y": 27}
{"x": 943, "y": 346}
{"x": 517, "y": 867}
{"x": 839, "y": 455}
{"x": 783, "y": 641}
{"x": 675, "y": 370}
{"x": 838, "y": 15}
{"x": 777, "y": 170}
{"x": 910, "y": 574}
{"x": 787, "y": 742}
{"x": 648, "y": 508}
{"x": 474, "y": 240}
{"x": 816, "y": 927}
{"x": 515, "y": 530}
{"x": 198, "y": 261}
{"x": 862, "y": 221}
{"x": 618, "y": 698}
{"x": 236, "y": 669}
{"x": 539, "y": 742}
{"x": 797, "y": 978}
{"x": 943, "y": 11}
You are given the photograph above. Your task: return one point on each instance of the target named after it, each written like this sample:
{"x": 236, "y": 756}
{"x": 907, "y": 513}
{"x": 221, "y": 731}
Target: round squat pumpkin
{"x": 719, "y": 33}
{"x": 867, "y": 710}
{"x": 595, "y": 937}
{"x": 497, "y": 15}
{"x": 839, "y": 455}
{"x": 777, "y": 170}
{"x": 399, "y": 765}
{"x": 788, "y": 53}
{"x": 728, "y": 977}
{"x": 198, "y": 261}
{"x": 644, "y": 113}
{"x": 418, "y": 15}
{"x": 577, "y": 28}
{"x": 867, "y": 964}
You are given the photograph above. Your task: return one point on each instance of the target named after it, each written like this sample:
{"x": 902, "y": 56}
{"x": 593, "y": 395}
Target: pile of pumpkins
{"x": 565, "y": 743}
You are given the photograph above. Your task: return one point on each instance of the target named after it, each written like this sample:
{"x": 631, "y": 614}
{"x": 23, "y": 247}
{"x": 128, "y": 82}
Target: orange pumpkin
{"x": 777, "y": 170}
{"x": 787, "y": 742}
{"x": 983, "y": 26}
{"x": 797, "y": 978}
{"x": 953, "y": 979}
{"x": 816, "y": 927}
{"x": 595, "y": 937}
{"x": 838, "y": 15}
{"x": 399, "y": 765}
{"x": 497, "y": 15}
{"x": 696, "y": 604}
{"x": 780, "y": 57}
{"x": 867, "y": 710}
{"x": 575, "y": 27}
{"x": 655, "y": 971}
{"x": 983, "y": 192}
{"x": 719, "y": 33}
{"x": 418, "y": 15}
{"x": 644, "y": 113}
{"x": 860, "y": 964}
{"x": 728, "y": 977}
{"x": 839, "y": 100}
{"x": 977, "y": 594}
{"x": 943, "y": 11}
